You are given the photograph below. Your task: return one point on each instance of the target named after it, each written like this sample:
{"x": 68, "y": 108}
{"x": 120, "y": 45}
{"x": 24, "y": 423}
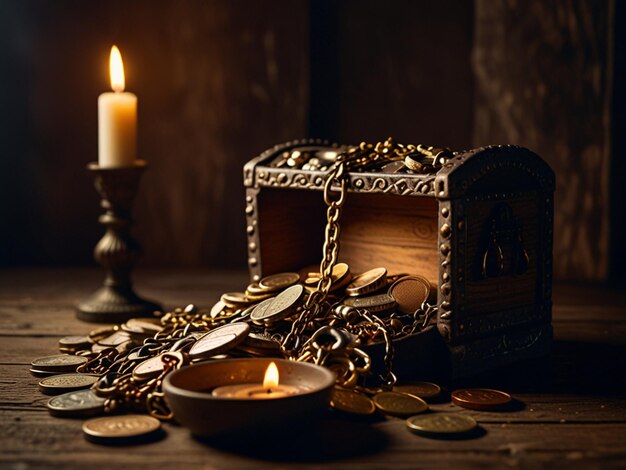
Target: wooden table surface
{"x": 572, "y": 406}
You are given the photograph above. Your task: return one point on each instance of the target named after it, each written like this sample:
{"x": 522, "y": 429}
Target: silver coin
{"x": 281, "y": 307}
{"x": 58, "y": 363}
{"x": 76, "y": 404}
{"x": 219, "y": 340}
{"x": 258, "y": 313}
{"x": 66, "y": 383}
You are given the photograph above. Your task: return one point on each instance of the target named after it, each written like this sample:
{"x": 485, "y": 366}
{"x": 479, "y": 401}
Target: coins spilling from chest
{"x": 57, "y": 364}
{"x": 441, "y": 424}
{"x": 81, "y": 404}
{"x": 350, "y": 401}
{"x": 64, "y": 383}
{"x": 482, "y": 399}
{"x": 399, "y": 404}
{"x": 424, "y": 390}
{"x": 121, "y": 429}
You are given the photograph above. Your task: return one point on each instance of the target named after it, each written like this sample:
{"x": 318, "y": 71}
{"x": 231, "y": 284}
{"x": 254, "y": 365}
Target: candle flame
{"x": 271, "y": 377}
{"x": 116, "y": 70}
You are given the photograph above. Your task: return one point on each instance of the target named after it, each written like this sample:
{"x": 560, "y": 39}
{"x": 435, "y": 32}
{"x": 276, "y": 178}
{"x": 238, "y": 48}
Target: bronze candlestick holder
{"x": 117, "y": 251}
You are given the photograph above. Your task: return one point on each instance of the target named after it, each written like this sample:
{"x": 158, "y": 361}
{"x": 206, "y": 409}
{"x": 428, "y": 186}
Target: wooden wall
{"x": 220, "y": 81}
{"x": 544, "y": 80}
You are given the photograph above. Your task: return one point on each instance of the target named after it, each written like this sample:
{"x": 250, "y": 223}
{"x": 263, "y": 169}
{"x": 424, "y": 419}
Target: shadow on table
{"x": 573, "y": 368}
{"x": 328, "y": 439}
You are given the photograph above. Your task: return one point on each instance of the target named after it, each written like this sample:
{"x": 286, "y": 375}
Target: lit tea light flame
{"x": 270, "y": 388}
{"x": 271, "y": 378}
{"x": 116, "y": 70}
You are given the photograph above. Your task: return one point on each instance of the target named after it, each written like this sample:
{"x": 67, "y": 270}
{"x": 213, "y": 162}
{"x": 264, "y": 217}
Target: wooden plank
{"x": 28, "y": 438}
{"x": 538, "y": 67}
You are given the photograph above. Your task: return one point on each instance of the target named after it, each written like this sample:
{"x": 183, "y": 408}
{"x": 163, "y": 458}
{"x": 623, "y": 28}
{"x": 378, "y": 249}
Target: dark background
{"x": 220, "y": 81}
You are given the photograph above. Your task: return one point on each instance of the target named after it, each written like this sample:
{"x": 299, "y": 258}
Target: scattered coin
{"x": 351, "y": 402}
{"x": 219, "y": 340}
{"x": 71, "y": 344}
{"x": 149, "y": 368}
{"x": 340, "y": 276}
{"x": 64, "y": 383}
{"x": 119, "y": 429}
{"x": 262, "y": 341}
{"x": 79, "y": 404}
{"x": 482, "y": 399}
{"x": 424, "y": 390}
{"x": 441, "y": 424}
{"x": 280, "y": 307}
{"x": 399, "y": 404}
{"x": 44, "y": 373}
{"x": 235, "y": 299}
{"x": 374, "y": 303}
{"x": 258, "y": 312}
{"x": 217, "y": 309}
{"x": 143, "y": 326}
{"x": 279, "y": 281}
{"x": 58, "y": 363}
{"x": 115, "y": 339}
{"x": 410, "y": 292}
{"x": 367, "y": 282}
{"x": 102, "y": 332}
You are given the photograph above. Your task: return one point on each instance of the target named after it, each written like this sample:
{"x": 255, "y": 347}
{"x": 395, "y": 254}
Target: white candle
{"x": 117, "y": 120}
{"x": 270, "y": 388}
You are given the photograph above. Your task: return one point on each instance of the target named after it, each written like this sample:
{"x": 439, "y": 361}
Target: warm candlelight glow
{"x": 270, "y": 380}
{"x": 116, "y": 70}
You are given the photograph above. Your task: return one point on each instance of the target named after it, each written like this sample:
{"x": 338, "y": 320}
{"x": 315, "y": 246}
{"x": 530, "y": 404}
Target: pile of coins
{"x": 122, "y": 367}
{"x": 415, "y": 159}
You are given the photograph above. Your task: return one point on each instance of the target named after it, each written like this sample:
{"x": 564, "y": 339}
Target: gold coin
{"x": 74, "y": 343}
{"x": 351, "y": 402}
{"x": 340, "y": 276}
{"x": 399, "y": 404}
{"x": 58, "y": 363}
{"x": 279, "y": 281}
{"x": 441, "y": 423}
{"x": 219, "y": 340}
{"x": 120, "y": 427}
{"x": 410, "y": 292}
{"x": 373, "y": 303}
{"x": 367, "y": 282}
{"x": 64, "y": 383}
{"x": 423, "y": 390}
{"x": 280, "y": 306}
{"x": 76, "y": 404}
{"x": 482, "y": 399}
{"x": 149, "y": 368}
{"x": 217, "y": 309}
{"x": 258, "y": 313}
{"x": 235, "y": 299}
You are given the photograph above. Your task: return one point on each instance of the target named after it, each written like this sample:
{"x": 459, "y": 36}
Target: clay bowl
{"x": 188, "y": 392}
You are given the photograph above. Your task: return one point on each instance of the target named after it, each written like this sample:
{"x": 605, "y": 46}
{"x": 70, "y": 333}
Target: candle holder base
{"x": 117, "y": 251}
{"x": 111, "y": 304}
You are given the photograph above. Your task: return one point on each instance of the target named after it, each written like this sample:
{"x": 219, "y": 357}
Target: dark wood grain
{"x": 217, "y": 82}
{"x": 571, "y": 410}
{"x": 544, "y": 80}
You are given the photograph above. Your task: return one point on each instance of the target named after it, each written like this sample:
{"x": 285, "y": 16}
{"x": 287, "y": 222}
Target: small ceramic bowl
{"x": 188, "y": 392}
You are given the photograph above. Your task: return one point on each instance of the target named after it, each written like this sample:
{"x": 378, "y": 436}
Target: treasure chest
{"x": 478, "y": 227}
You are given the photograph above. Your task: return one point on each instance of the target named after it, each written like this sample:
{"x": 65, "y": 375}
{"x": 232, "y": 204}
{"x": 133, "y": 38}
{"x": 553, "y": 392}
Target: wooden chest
{"x": 480, "y": 229}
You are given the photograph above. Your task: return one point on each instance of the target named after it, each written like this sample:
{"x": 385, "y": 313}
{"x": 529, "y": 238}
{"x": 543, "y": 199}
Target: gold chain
{"x": 362, "y": 157}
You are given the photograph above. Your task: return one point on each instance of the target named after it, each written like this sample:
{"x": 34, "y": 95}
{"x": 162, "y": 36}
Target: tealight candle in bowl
{"x": 270, "y": 388}
{"x": 233, "y": 396}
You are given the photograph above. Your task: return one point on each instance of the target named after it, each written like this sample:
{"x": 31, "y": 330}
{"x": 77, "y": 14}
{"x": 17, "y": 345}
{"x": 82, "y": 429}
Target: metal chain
{"x": 362, "y": 157}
